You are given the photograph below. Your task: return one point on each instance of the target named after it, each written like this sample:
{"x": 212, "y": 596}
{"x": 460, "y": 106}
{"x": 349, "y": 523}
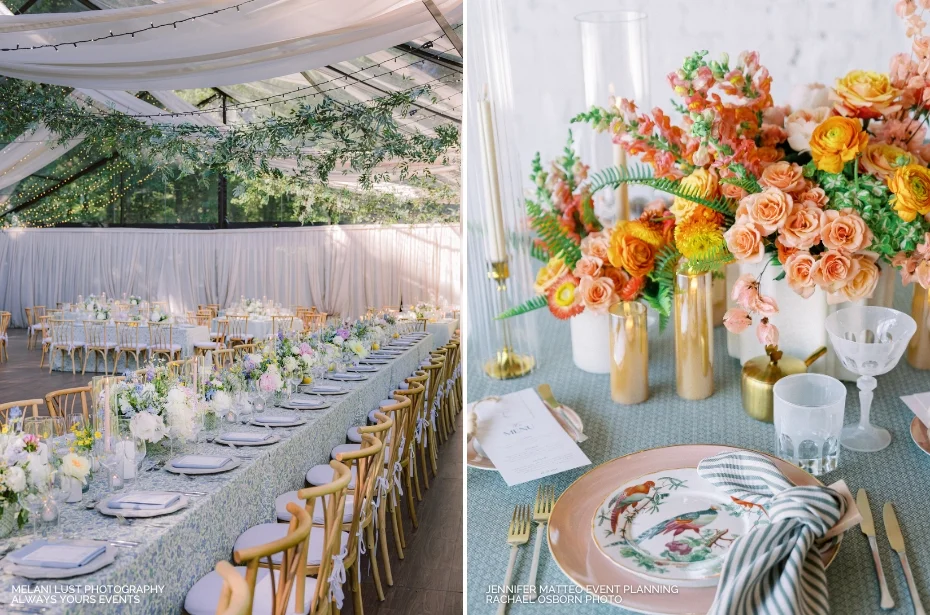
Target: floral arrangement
{"x": 424, "y": 309}
{"x": 76, "y": 467}
{"x": 157, "y": 315}
{"x": 157, "y": 405}
{"x": 84, "y": 437}
{"x": 590, "y": 265}
{"x": 135, "y": 300}
{"x": 101, "y": 312}
{"x": 24, "y": 469}
{"x": 830, "y": 187}
{"x": 252, "y": 306}
{"x": 263, "y": 369}
{"x": 295, "y": 358}
{"x": 216, "y": 393}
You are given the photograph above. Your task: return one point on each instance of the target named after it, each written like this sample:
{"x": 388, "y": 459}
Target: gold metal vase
{"x": 694, "y": 334}
{"x": 629, "y": 353}
{"x": 918, "y": 350}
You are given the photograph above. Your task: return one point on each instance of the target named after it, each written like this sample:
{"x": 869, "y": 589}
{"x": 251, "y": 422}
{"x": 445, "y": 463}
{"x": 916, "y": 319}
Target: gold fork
{"x": 518, "y": 534}
{"x": 545, "y": 499}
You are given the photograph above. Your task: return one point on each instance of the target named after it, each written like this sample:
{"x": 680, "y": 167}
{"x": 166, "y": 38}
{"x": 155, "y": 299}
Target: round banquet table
{"x": 183, "y": 335}
{"x": 900, "y": 473}
{"x": 197, "y": 537}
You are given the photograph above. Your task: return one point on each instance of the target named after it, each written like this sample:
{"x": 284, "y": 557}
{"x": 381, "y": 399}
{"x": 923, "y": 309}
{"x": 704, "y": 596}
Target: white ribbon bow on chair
{"x": 337, "y": 577}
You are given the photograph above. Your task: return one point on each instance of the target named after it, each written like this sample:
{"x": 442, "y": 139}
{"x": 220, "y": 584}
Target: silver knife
{"x": 867, "y": 525}
{"x": 896, "y": 538}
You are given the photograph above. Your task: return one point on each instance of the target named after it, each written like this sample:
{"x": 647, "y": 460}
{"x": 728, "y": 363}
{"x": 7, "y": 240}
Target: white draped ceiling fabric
{"x": 260, "y": 40}
{"x": 338, "y": 269}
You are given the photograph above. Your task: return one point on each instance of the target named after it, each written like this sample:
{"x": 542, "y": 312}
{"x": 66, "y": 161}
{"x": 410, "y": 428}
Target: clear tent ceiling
{"x": 431, "y": 60}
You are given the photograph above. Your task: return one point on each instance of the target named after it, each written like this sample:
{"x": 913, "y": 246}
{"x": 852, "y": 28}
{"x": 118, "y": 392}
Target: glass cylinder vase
{"x": 614, "y": 54}
{"x": 629, "y": 353}
{"x": 694, "y": 334}
{"x": 918, "y": 350}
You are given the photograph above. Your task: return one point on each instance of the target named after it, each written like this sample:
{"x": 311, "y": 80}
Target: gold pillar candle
{"x": 720, "y": 300}
{"x": 694, "y": 334}
{"x": 918, "y": 350}
{"x": 629, "y": 353}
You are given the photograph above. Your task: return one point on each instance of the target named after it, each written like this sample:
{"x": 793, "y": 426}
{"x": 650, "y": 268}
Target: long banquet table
{"x": 200, "y": 535}
{"x": 900, "y": 473}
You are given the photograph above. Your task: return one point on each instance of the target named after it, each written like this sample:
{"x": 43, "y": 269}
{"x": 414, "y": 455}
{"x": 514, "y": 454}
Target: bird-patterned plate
{"x": 673, "y": 526}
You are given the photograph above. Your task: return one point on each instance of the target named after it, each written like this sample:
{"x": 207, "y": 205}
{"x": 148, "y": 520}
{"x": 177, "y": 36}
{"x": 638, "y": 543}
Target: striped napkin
{"x": 777, "y": 568}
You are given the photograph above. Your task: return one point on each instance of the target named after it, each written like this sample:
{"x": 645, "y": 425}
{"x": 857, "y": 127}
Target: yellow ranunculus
{"x": 836, "y": 141}
{"x": 864, "y": 94}
{"x": 547, "y": 276}
{"x": 910, "y": 185}
{"x": 702, "y": 183}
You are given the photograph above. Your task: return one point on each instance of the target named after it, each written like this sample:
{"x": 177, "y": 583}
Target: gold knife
{"x": 867, "y": 525}
{"x": 896, "y": 538}
{"x": 545, "y": 392}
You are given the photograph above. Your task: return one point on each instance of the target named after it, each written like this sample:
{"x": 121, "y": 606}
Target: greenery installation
{"x": 165, "y": 161}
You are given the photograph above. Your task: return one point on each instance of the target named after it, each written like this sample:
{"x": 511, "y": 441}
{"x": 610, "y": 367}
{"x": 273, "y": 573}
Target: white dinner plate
{"x": 295, "y": 423}
{"x": 322, "y": 405}
{"x": 232, "y": 465}
{"x": 273, "y": 439}
{"x": 308, "y": 389}
{"x": 37, "y": 572}
{"x": 104, "y": 509}
{"x": 347, "y": 377}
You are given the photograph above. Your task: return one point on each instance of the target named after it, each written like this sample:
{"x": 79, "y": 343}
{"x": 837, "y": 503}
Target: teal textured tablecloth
{"x": 900, "y": 473}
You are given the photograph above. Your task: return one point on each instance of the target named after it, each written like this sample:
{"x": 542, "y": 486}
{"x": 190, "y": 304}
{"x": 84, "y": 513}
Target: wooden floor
{"x": 429, "y": 578}
{"x": 21, "y": 377}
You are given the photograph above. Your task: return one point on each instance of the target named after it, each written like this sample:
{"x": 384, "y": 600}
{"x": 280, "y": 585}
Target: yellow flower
{"x": 699, "y": 239}
{"x": 865, "y": 94}
{"x": 4, "y": 429}
{"x": 836, "y": 141}
{"x": 548, "y": 275}
{"x": 910, "y": 185}
{"x": 375, "y": 346}
{"x": 702, "y": 183}
{"x": 98, "y": 435}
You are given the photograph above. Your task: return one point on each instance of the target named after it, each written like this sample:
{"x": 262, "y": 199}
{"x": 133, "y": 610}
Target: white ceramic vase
{"x": 800, "y": 322}
{"x": 591, "y": 342}
{"x": 75, "y": 491}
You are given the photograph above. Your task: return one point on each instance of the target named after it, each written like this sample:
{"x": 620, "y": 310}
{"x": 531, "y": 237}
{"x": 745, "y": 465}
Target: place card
{"x": 920, "y": 406}
{"x": 523, "y": 440}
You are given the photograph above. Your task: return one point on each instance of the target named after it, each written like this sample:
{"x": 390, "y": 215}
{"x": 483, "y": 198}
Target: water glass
{"x": 808, "y": 419}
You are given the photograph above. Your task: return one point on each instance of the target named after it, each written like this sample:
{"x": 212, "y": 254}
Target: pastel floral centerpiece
{"x": 135, "y": 300}
{"x": 24, "y": 469}
{"x": 157, "y": 405}
{"x": 158, "y": 315}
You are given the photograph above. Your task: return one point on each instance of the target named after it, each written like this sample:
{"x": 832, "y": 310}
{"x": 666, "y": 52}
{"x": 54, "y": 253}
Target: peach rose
{"x": 736, "y": 320}
{"x": 844, "y": 230}
{"x": 768, "y": 209}
{"x": 786, "y": 176}
{"x": 865, "y": 94}
{"x": 802, "y": 228}
{"x": 596, "y": 245}
{"x": 702, "y": 183}
{"x": 767, "y": 333}
{"x": 745, "y": 242}
{"x": 798, "y": 270}
{"x": 588, "y": 266}
{"x": 862, "y": 284}
{"x": 619, "y": 276}
{"x": 800, "y": 126}
{"x": 597, "y": 293}
{"x": 881, "y": 159}
{"x": 548, "y": 275}
{"x": 732, "y": 191}
{"x": 813, "y": 196}
{"x": 834, "y": 270}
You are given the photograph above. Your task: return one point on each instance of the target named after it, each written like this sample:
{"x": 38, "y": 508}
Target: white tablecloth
{"x": 260, "y": 327}
{"x": 442, "y": 331}
{"x": 183, "y": 335}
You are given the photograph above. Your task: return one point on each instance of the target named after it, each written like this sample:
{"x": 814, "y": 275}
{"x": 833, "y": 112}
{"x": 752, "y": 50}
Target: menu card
{"x": 919, "y": 405}
{"x": 523, "y": 440}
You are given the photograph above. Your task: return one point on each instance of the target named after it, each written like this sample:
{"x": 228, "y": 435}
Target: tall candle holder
{"x": 506, "y": 363}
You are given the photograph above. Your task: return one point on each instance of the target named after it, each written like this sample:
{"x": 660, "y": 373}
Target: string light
{"x": 130, "y": 34}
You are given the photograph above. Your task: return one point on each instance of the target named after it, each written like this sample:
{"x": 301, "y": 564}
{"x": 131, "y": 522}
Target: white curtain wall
{"x": 342, "y": 269}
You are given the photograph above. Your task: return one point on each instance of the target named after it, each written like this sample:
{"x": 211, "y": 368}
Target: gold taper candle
{"x": 694, "y": 334}
{"x": 918, "y": 350}
{"x": 629, "y": 353}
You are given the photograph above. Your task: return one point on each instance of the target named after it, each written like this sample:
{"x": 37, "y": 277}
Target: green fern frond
{"x": 716, "y": 262}
{"x": 546, "y": 224}
{"x": 588, "y": 216}
{"x": 666, "y": 263}
{"x": 611, "y": 177}
{"x": 537, "y": 252}
{"x": 527, "y": 306}
{"x": 661, "y": 301}
{"x": 748, "y": 184}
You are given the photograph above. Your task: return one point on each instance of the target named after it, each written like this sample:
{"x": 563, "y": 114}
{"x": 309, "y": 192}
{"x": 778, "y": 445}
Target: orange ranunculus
{"x": 630, "y": 253}
{"x": 910, "y": 185}
{"x": 865, "y": 94}
{"x": 836, "y": 141}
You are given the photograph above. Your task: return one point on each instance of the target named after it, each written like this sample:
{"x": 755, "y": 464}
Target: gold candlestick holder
{"x": 506, "y": 363}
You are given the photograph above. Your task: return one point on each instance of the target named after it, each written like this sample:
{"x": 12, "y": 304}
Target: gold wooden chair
{"x": 281, "y": 323}
{"x": 62, "y": 334}
{"x": 414, "y": 392}
{"x": 69, "y": 402}
{"x": 244, "y": 349}
{"x": 161, "y": 341}
{"x": 181, "y": 369}
{"x": 161, "y": 306}
{"x": 30, "y": 323}
{"x": 419, "y": 428}
{"x": 202, "y": 318}
{"x": 217, "y": 340}
{"x": 235, "y": 597}
{"x": 224, "y": 358}
{"x": 24, "y": 404}
{"x": 421, "y": 325}
{"x": 46, "y": 338}
{"x": 4, "y": 335}
{"x": 97, "y": 342}
{"x": 215, "y": 308}
{"x": 127, "y": 343}
{"x": 434, "y": 369}
{"x": 239, "y": 330}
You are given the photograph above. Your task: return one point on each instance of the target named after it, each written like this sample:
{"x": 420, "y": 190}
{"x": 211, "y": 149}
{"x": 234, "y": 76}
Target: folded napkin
{"x": 362, "y": 368}
{"x": 346, "y": 376}
{"x": 919, "y": 404}
{"x": 275, "y": 420}
{"x": 776, "y": 568}
{"x": 304, "y": 403}
{"x": 200, "y": 462}
{"x": 244, "y": 436}
{"x": 326, "y": 388}
{"x": 144, "y": 501}
{"x": 45, "y": 554}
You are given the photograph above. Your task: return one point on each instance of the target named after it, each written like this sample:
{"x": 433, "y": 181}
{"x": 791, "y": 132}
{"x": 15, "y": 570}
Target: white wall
{"x": 799, "y": 41}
